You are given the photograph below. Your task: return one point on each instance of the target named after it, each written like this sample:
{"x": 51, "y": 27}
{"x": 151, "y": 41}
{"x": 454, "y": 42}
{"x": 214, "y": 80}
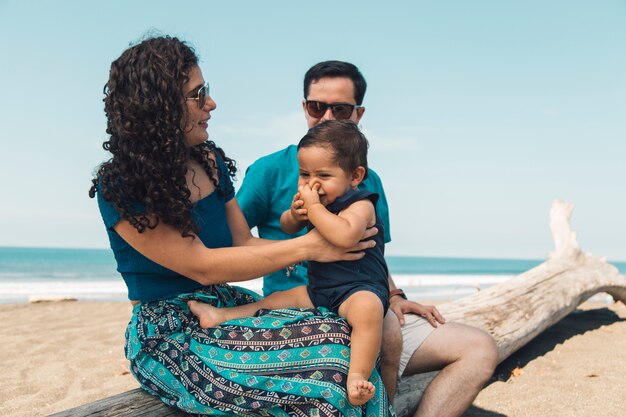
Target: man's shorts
{"x": 415, "y": 330}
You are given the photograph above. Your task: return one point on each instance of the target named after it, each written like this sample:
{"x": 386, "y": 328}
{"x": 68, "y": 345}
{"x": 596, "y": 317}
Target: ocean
{"x": 90, "y": 274}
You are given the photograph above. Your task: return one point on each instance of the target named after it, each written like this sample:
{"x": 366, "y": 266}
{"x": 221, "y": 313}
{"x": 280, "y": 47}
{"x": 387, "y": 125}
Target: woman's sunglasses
{"x": 341, "y": 111}
{"x": 203, "y": 93}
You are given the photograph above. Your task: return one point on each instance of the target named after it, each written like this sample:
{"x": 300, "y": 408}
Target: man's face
{"x": 331, "y": 90}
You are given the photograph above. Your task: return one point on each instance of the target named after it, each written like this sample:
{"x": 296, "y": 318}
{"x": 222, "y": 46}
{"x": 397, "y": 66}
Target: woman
{"x": 178, "y": 236}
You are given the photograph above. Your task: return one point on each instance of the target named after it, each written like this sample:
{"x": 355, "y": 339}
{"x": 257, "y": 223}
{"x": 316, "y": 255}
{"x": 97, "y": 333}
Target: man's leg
{"x": 390, "y": 352}
{"x": 467, "y": 358}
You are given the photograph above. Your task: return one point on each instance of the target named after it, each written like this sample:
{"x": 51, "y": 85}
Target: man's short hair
{"x": 336, "y": 69}
{"x": 344, "y": 139}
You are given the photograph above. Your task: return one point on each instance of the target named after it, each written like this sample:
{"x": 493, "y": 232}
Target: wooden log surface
{"x": 513, "y": 312}
{"x": 133, "y": 403}
{"x": 516, "y": 311}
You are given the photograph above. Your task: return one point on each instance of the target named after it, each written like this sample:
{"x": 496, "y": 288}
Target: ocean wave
{"x": 51, "y": 276}
{"x": 419, "y": 280}
{"x": 436, "y": 287}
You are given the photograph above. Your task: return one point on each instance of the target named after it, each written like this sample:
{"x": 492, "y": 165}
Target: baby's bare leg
{"x": 364, "y": 312}
{"x": 210, "y": 316}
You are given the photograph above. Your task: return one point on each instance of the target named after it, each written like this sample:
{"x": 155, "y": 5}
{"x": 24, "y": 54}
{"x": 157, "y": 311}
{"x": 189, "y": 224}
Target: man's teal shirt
{"x": 268, "y": 189}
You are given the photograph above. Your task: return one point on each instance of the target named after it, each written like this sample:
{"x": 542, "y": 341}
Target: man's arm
{"x": 253, "y": 197}
{"x": 374, "y": 184}
{"x": 398, "y": 302}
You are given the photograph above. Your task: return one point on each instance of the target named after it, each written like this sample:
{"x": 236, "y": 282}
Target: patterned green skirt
{"x": 279, "y": 363}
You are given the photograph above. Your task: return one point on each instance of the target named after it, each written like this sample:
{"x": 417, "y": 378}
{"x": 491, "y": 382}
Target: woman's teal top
{"x": 148, "y": 281}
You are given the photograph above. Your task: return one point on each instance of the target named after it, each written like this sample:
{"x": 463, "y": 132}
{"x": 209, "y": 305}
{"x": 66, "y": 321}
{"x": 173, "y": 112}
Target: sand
{"x": 58, "y": 355}
{"x": 575, "y": 368}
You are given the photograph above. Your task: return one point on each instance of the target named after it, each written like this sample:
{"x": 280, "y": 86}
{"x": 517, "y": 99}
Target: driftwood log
{"x": 517, "y": 310}
{"x": 513, "y": 312}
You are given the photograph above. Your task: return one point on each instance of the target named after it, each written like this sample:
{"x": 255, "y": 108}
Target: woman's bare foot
{"x": 360, "y": 390}
{"x": 208, "y": 316}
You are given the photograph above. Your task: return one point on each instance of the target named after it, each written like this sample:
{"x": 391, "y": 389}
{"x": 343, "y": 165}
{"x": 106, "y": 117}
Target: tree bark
{"x": 517, "y": 310}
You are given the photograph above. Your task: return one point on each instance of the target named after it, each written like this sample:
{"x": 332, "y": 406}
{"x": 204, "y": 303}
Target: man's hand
{"x": 400, "y": 307}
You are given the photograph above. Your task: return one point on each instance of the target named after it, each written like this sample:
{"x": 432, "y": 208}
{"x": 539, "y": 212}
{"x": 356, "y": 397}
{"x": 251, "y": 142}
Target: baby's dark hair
{"x": 344, "y": 139}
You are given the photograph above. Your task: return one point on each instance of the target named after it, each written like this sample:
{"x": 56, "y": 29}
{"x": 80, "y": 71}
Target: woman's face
{"x": 196, "y": 121}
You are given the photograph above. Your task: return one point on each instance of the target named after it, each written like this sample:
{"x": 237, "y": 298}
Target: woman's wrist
{"x": 302, "y": 247}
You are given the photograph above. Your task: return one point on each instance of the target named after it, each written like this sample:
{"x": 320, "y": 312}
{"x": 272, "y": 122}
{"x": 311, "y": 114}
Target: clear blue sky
{"x": 479, "y": 113}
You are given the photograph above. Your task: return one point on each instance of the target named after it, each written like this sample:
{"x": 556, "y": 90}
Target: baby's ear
{"x": 357, "y": 176}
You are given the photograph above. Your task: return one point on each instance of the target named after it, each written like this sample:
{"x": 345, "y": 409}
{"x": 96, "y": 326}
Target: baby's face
{"x": 317, "y": 166}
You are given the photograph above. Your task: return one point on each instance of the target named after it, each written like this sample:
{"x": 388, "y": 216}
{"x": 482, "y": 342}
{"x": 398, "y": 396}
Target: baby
{"x": 332, "y": 158}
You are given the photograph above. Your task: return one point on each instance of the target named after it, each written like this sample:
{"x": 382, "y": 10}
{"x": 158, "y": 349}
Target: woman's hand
{"x": 321, "y": 250}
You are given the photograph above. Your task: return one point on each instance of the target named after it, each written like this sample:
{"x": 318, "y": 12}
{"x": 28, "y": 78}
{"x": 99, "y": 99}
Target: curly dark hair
{"x": 144, "y": 105}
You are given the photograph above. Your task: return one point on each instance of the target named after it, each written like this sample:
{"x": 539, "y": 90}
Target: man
{"x": 414, "y": 343}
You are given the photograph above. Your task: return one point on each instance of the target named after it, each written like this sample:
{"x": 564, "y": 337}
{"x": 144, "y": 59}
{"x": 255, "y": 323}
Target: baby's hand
{"x": 297, "y": 211}
{"x": 309, "y": 195}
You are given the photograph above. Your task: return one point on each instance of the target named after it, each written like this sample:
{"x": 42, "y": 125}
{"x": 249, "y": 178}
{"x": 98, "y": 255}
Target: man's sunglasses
{"x": 341, "y": 111}
{"x": 203, "y": 93}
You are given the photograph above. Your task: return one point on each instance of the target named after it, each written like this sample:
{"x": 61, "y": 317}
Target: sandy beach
{"x": 59, "y": 355}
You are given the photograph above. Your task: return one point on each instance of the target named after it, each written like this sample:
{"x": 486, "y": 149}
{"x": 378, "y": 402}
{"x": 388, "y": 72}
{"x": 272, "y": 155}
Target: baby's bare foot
{"x": 360, "y": 390}
{"x": 208, "y": 316}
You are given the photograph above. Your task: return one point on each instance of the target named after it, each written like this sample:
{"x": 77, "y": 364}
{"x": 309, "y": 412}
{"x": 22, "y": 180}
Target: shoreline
{"x": 440, "y": 288}
{"x": 68, "y": 353}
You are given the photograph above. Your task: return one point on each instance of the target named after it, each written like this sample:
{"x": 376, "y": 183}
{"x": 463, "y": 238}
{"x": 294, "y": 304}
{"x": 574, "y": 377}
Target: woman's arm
{"x": 189, "y": 257}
